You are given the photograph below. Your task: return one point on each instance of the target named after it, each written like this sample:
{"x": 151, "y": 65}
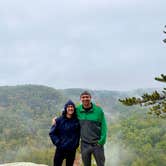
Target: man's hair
{"x": 85, "y": 93}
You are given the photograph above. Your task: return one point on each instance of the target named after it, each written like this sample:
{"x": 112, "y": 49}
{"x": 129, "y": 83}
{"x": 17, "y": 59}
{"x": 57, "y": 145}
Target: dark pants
{"x": 88, "y": 149}
{"x": 60, "y": 155}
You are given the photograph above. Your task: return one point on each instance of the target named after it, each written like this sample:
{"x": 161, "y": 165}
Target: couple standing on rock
{"x": 87, "y": 122}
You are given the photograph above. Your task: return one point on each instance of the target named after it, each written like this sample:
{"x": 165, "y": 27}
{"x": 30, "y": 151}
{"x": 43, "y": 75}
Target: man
{"x": 93, "y": 130}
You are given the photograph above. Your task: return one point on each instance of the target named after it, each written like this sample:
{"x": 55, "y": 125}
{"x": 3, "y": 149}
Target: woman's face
{"x": 70, "y": 109}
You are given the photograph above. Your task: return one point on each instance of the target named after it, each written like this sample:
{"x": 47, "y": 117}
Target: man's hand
{"x": 54, "y": 120}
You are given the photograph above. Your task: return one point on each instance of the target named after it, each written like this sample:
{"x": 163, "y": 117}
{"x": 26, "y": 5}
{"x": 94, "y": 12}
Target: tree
{"x": 155, "y": 101}
{"x": 165, "y": 38}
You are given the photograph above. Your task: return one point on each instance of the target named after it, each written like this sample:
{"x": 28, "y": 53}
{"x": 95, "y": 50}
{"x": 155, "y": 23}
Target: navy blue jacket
{"x": 65, "y": 134}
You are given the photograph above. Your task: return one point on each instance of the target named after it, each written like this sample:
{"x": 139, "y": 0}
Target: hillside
{"x": 25, "y": 115}
{"x": 26, "y": 112}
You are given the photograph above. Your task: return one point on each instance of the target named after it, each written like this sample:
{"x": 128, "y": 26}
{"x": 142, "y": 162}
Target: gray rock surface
{"x": 22, "y": 164}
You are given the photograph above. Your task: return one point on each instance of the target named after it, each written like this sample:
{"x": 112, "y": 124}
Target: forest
{"x": 135, "y": 138}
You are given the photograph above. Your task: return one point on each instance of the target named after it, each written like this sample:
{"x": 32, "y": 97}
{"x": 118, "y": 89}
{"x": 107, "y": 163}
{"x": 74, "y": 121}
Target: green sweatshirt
{"x": 93, "y": 124}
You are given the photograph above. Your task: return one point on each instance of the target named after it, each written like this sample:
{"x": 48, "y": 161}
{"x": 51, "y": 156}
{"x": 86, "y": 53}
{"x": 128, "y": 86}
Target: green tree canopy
{"x": 155, "y": 101}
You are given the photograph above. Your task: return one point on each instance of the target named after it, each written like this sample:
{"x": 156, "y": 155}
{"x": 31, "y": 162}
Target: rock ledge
{"x": 22, "y": 164}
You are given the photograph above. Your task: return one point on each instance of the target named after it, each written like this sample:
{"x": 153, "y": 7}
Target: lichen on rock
{"x": 22, "y": 164}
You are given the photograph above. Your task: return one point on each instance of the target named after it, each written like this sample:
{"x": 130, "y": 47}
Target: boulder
{"x": 22, "y": 164}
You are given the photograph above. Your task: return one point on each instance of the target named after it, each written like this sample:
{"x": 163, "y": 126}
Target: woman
{"x": 65, "y": 135}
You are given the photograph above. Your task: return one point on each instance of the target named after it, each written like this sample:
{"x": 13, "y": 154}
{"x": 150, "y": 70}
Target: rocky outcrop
{"x": 22, "y": 164}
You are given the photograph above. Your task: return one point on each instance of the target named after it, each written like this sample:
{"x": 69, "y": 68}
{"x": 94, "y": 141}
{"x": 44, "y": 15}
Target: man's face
{"x": 86, "y": 100}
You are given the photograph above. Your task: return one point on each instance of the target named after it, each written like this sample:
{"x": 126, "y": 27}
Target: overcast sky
{"x": 94, "y": 44}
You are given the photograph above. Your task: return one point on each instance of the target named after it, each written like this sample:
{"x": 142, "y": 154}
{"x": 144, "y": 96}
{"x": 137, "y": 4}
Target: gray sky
{"x": 95, "y": 44}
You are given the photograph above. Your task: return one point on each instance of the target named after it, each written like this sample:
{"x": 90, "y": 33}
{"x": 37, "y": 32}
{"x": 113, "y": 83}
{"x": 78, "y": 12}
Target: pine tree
{"x": 155, "y": 101}
{"x": 165, "y": 38}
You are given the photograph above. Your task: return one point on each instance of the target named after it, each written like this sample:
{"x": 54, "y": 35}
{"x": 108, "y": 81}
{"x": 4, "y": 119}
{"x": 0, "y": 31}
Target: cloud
{"x": 94, "y": 44}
